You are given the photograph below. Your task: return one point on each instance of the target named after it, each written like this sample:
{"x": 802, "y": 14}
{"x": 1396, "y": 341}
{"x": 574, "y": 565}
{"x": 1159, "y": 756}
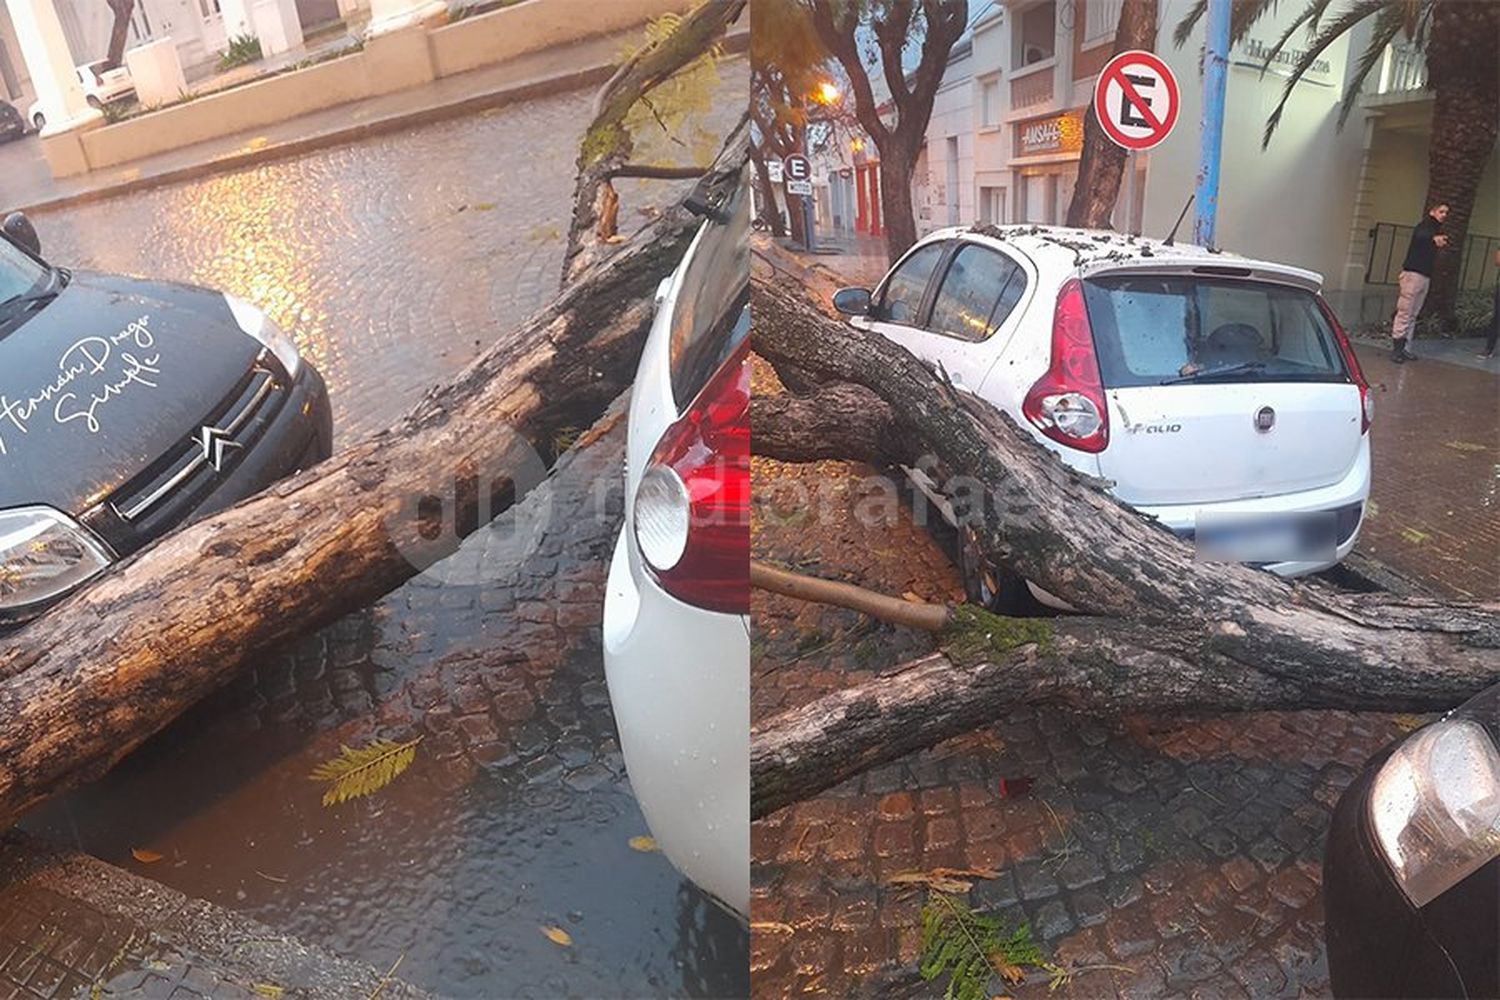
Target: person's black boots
{"x": 1406, "y": 349}
{"x": 1398, "y": 350}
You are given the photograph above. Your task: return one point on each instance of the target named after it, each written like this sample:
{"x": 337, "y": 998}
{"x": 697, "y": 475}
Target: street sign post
{"x": 798, "y": 170}
{"x": 1136, "y": 100}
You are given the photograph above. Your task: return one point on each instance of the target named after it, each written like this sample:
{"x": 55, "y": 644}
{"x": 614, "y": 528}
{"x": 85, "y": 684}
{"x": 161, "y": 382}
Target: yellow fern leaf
{"x": 355, "y": 773}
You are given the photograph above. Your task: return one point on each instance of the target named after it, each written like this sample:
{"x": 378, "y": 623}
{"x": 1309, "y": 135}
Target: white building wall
{"x": 1291, "y": 202}
{"x": 948, "y": 194}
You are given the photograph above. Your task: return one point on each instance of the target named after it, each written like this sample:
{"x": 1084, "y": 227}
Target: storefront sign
{"x": 1050, "y": 134}
{"x": 1251, "y": 53}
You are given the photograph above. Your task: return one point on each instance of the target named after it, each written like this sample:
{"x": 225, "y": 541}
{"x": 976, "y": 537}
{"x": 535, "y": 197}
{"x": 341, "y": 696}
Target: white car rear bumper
{"x": 1354, "y": 488}
{"x": 679, "y": 682}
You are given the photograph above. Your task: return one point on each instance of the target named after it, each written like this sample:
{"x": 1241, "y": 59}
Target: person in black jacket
{"x": 1416, "y": 278}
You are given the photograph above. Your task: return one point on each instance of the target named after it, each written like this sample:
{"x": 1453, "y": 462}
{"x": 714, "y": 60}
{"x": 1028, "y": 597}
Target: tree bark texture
{"x": 119, "y": 31}
{"x": 608, "y": 145}
{"x": 1463, "y": 70}
{"x": 97, "y": 675}
{"x": 845, "y": 34}
{"x": 1163, "y": 630}
{"x": 1101, "y": 164}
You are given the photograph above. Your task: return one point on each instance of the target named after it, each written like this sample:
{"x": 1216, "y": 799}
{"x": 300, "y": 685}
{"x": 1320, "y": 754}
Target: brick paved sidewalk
{"x": 1183, "y": 852}
{"x": 1435, "y": 496}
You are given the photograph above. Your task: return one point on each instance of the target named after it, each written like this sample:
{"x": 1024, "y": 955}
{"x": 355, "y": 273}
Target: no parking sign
{"x": 1136, "y": 99}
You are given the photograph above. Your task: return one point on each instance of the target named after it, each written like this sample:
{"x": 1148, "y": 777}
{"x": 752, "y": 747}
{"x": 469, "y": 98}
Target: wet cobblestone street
{"x": 393, "y": 262}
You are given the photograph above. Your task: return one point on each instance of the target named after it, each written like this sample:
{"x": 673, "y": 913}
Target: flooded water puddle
{"x": 515, "y": 817}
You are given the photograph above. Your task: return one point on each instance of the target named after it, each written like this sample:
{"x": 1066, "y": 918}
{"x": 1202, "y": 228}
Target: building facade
{"x": 199, "y": 30}
{"x": 1007, "y": 131}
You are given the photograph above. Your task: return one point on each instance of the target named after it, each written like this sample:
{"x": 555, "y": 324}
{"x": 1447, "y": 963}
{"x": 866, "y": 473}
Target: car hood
{"x": 104, "y": 379}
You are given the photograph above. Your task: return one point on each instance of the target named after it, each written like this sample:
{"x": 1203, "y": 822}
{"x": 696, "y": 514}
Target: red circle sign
{"x": 1136, "y": 99}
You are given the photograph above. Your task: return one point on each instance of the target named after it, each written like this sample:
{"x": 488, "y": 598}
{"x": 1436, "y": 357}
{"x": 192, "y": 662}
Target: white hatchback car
{"x": 1216, "y": 394}
{"x": 100, "y": 87}
{"x": 676, "y": 608}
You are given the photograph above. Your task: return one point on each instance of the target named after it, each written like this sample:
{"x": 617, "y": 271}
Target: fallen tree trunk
{"x": 93, "y": 678}
{"x": 1171, "y": 632}
{"x": 608, "y": 144}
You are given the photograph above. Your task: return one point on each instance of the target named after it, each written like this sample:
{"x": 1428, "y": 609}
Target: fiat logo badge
{"x": 1265, "y": 419}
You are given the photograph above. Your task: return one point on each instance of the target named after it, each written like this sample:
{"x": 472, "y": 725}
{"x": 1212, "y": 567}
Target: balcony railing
{"x": 1403, "y": 69}
{"x": 1034, "y": 88}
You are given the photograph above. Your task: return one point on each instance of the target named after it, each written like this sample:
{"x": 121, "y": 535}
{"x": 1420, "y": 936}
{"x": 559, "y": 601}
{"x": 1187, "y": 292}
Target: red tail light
{"x": 1356, "y": 375}
{"x": 692, "y": 508}
{"x": 1067, "y": 403}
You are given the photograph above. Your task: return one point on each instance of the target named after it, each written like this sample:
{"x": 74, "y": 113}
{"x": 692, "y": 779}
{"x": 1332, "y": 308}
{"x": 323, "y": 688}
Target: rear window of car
{"x": 1152, "y": 328}
{"x": 712, "y": 314}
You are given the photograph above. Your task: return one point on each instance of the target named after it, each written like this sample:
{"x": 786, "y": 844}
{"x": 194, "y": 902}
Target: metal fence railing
{"x": 1388, "y": 243}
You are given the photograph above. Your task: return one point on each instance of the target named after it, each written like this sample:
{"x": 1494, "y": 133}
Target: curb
{"x": 534, "y": 90}
{"x": 592, "y": 76}
{"x": 238, "y": 948}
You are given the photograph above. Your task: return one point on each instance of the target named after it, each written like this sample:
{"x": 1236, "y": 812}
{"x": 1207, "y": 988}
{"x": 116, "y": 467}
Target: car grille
{"x": 171, "y": 487}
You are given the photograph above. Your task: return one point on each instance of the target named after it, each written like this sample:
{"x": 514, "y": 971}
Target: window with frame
{"x": 978, "y": 292}
{"x": 990, "y": 101}
{"x": 901, "y": 299}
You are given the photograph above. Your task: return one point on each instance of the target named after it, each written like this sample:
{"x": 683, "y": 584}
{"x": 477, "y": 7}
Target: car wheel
{"x": 94, "y": 102}
{"x": 988, "y": 586}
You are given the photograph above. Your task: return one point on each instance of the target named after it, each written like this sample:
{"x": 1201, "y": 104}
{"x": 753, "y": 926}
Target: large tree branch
{"x": 838, "y": 421}
{"x": 607, "y": 144}
{"x": 837, "y": 23}
{"x": 1181, "y": 633}
{"x": 83, "y": 685}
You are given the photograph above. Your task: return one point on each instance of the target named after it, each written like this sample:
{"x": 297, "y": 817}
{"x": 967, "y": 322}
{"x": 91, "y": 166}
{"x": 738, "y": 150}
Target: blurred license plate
{"x": 1266, "y": 538}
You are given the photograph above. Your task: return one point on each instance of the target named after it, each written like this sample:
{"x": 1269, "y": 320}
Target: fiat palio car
{"x": 1216, "y": 394}
{"x": 127, "y": 408}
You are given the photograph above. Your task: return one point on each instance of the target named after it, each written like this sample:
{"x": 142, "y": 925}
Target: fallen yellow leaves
{"x": 354, "y": 773}
{"x": 144, "y": 856}
{"x": 954, "y": 880}
{"x": 558, "y": 936}
{"x": 644, "y": 844}
{"x": 771, "y": 927}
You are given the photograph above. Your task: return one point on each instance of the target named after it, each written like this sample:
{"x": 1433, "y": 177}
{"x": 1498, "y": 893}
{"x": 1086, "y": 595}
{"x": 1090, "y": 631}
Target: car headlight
{"x": 258, "y": 325}
{"x": 43, "y": 555}
{"x": 1435, "y": 807}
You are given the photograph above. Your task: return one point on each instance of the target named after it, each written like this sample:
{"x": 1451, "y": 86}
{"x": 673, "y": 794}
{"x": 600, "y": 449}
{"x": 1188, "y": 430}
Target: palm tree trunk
{"x": 1463, "y": 63}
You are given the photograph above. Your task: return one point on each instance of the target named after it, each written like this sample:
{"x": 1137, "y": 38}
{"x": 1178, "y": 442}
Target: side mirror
{"x": 19, "y": 230}
{"x": 852, "y": 301}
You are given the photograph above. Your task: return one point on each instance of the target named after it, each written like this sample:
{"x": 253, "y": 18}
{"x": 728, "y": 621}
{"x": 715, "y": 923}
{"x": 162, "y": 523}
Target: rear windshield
{"x": 713, "y": 313}
{"x": 1150, "y": 329}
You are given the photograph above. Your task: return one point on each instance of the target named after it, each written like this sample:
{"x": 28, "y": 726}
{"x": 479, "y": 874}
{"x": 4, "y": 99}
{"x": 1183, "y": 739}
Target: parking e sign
{"x": 1136, "y": 100}
{"x": 798, "y": 168}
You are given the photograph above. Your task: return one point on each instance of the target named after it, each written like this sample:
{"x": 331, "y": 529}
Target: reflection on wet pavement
{"x": 516, "y": 814}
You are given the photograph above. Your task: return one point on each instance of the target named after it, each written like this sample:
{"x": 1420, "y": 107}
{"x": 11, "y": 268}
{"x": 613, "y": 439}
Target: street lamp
{"x": 826, "y": 94}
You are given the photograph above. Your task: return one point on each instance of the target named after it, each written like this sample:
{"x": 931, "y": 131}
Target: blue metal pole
{"x": 1211, "y": 127}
